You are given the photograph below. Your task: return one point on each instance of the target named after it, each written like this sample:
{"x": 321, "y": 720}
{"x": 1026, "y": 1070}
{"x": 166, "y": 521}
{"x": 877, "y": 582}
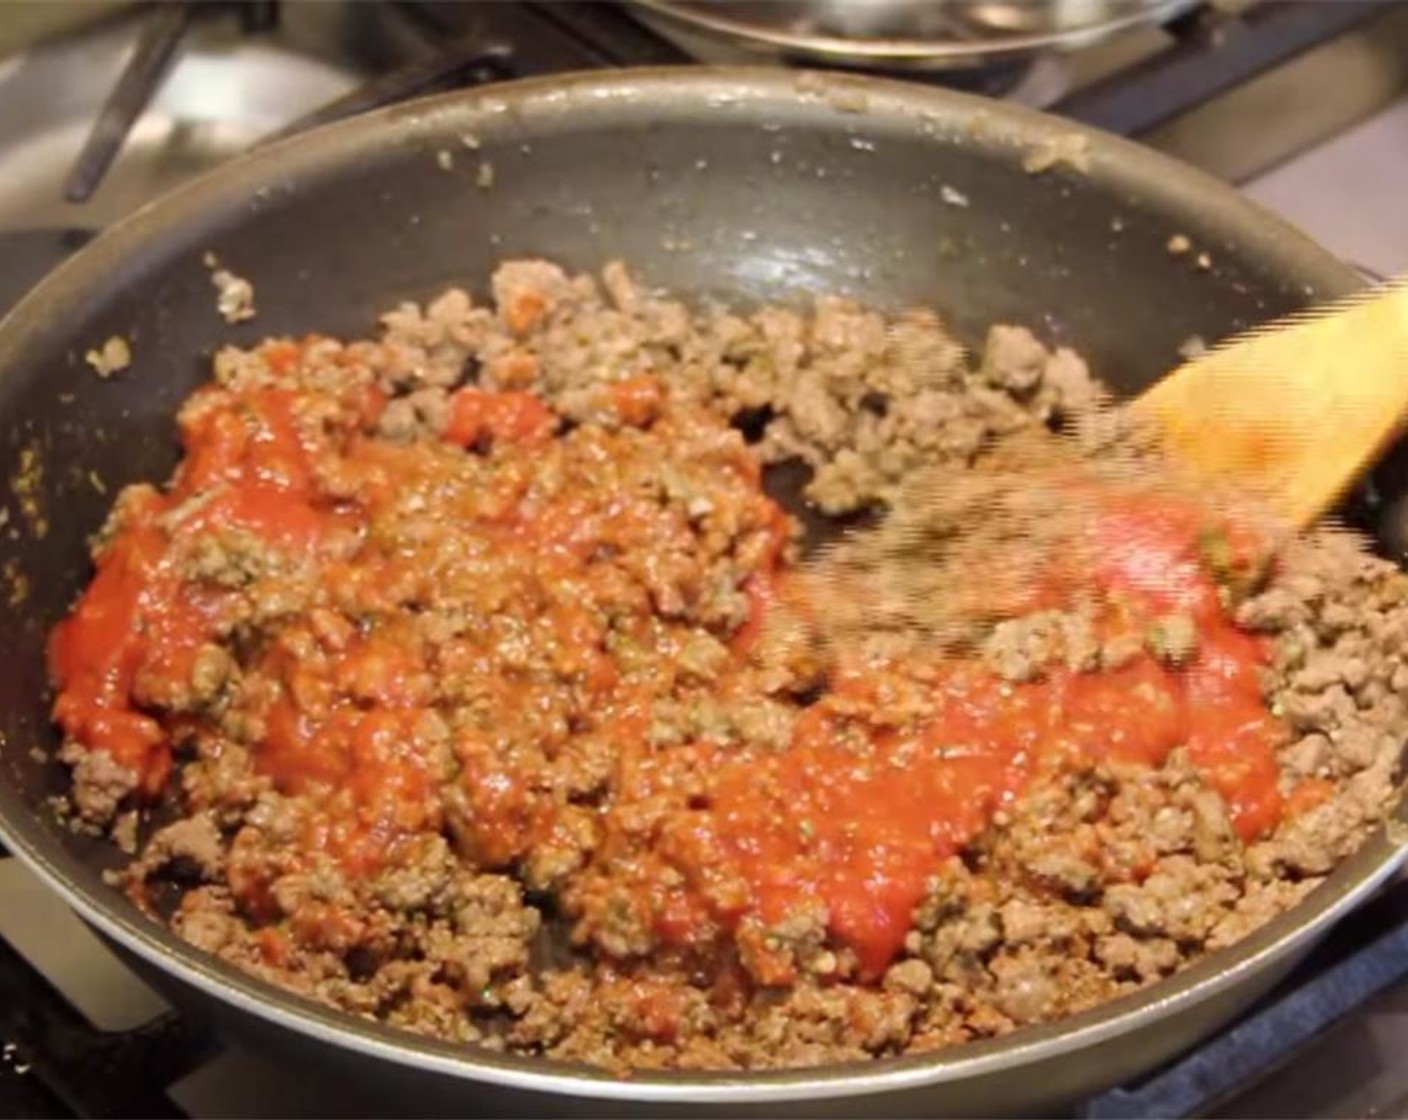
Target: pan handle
{"x": 1263, "y": 1042}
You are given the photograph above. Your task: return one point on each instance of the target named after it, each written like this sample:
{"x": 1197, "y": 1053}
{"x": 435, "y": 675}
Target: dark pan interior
{"x": 709, "y": 184}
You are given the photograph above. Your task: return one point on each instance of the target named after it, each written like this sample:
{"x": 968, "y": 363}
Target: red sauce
{"x": 139, "y": 625}
{"x": 637, "y": 399}
{"x": 511, "y": 415}
{"x": 860, "y": 829}
{"x": 855, "y": 815}
{"x": 96, "y": 652}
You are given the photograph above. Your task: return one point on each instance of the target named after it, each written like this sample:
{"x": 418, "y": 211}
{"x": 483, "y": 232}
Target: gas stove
{"x": 1303, "y": 105}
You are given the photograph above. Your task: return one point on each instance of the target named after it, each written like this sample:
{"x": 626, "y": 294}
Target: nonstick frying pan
{"x": 766, "y": 185}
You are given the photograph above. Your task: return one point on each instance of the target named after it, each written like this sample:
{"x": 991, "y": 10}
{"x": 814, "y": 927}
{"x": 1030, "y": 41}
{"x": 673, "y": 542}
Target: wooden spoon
{"x": 1291, "y": 412}
{"x": 1297, "y": 409}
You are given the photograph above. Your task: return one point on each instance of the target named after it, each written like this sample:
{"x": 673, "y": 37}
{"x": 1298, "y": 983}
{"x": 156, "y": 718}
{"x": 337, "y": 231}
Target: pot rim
{"x": 717, "y": 23}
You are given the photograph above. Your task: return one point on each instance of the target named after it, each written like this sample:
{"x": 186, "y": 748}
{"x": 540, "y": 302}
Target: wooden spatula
{"x": 1297, "y": 409}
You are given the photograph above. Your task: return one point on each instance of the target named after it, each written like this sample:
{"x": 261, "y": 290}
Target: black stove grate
{"x": 1211, "y": 54}
{"x": 54, "y": 1063}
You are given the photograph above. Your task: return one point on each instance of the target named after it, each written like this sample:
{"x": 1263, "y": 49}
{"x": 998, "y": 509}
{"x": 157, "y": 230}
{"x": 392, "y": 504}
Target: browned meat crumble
{"x": 431, "y": 725}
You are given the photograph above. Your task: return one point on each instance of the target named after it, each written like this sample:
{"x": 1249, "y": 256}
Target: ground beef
{"x": 193, "y": 844}
{"x": 459, "y": 645}
{"x": 114, "y": 356}
{"x": 100, "y": 782}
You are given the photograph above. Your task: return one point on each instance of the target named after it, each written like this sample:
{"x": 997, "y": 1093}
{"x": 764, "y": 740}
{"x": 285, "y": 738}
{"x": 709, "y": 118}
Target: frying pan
{"x": 747, "y": 185}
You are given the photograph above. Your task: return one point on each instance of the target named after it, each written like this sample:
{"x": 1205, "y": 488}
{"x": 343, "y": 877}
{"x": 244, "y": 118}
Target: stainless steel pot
{"x": 895, "y": 35}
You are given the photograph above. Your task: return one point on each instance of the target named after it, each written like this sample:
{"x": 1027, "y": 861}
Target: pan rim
{"x": 680, "y": 91}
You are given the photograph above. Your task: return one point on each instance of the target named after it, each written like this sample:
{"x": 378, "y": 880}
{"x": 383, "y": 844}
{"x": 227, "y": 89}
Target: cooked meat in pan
{"x": 469, "y": 679}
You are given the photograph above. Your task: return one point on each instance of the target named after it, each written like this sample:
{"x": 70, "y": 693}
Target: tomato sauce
{"x": 510, "y": 415}
{"x": 140, "y": 624}
{"x": 95, "y": 654}
{"x": 854, "y": 816}
{"x": 138, "y": 620}
{"x": 860, "y": 829}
